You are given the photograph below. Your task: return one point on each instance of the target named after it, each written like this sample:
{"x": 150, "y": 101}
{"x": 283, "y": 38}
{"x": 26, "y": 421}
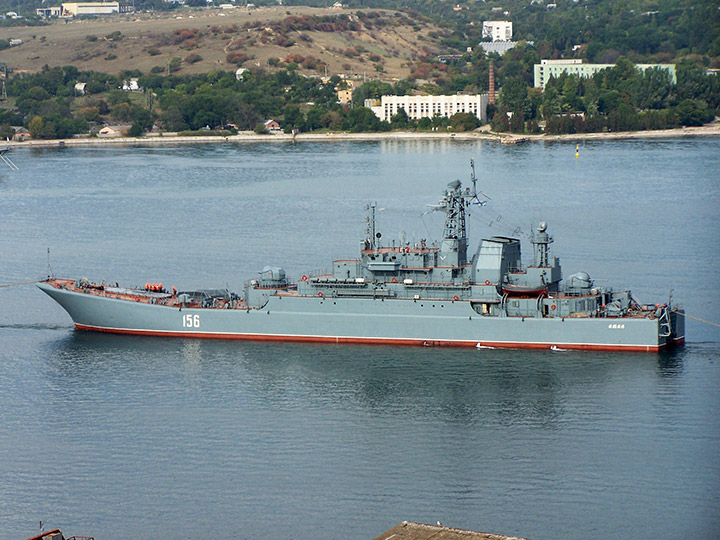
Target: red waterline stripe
{"x": 376, "y": 341}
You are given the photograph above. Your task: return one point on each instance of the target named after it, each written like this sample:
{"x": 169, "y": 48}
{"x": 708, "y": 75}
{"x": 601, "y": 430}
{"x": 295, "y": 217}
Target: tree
{"x": 6, "y": 132}
{"x": 500, "y": 122}
{"x": 514, "y": 95}
{"x": 261, "y": 129}
{"x": 294, "y": 117}
{"x": 399, "y": 119}
{"x": 143, "y": 118}
{"x": 135, "y": 130}
{"x": 35, "y": 127}
{"x": 122, "y": 112}
{"x": 464, "y": 121}
{"x": 693, "y": 112}
{"x": 314, "y": 118}
{"x": 363, "y": 119}
{"x": 654, "y": 89}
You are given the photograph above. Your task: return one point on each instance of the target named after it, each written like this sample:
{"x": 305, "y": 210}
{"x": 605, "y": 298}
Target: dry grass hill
{"x": 353, "y": 42}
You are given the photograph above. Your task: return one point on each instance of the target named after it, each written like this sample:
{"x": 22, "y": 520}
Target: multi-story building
{"x": 497, "y": 30}
{"x": 417, "y": 107}
{"x": 554, "y": 68}
{"x": 345, "y": 96}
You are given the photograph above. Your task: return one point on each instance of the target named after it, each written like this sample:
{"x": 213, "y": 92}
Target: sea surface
{"x": 149, "y": 438}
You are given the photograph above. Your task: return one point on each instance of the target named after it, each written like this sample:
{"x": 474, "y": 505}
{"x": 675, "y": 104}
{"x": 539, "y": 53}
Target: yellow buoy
{"x": 577, "y": 150}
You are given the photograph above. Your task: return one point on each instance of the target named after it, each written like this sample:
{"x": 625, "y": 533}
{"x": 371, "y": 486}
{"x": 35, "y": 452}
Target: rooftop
{"x": 408, "y": 530}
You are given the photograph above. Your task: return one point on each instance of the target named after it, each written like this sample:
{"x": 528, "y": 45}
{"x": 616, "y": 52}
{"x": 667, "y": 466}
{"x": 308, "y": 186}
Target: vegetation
{"x": 684, "y": 32}
{"x": 621, "y": 98}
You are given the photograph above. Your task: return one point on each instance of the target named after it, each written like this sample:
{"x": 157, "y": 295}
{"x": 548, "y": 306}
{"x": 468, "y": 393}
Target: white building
{"x": 417, "y": 107}
{"x": 554, "y": 68}
{"x": 131, "y": 85}
{"x": 497, "y": 30}
{"x": 500, "y": 47}
{"x": 73, "y": 9}
{"x": 49, "y": 11}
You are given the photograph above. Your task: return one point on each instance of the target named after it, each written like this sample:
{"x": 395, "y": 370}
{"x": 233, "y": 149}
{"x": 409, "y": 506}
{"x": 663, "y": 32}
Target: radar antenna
{"x": 473, "y": 179}
{"x": 370, "y": 235}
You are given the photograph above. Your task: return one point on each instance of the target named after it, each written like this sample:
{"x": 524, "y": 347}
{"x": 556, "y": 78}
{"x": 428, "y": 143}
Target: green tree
{"x": 135, "y": 130}
{"x": 693, "y": 112}
{"x": 35, "y": 127}
{"x": 514, "y": 95}
{"x": 294, "y": 118}
{"x": 399, "y": 119}
{"x": 464, "y": 121}
{"x": 6, "y": 131}
{"x": 500, "y": 122}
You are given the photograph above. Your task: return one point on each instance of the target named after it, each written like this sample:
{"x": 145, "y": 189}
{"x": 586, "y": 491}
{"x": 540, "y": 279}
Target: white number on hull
{"x": 191, "y": 321}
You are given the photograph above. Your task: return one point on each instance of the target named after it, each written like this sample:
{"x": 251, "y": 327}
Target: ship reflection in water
{"x": 467, "y": 386}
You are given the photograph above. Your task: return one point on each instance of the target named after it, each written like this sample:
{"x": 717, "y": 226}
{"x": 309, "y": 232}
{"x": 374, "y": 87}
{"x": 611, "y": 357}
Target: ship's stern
{"x": 677, "y": 327}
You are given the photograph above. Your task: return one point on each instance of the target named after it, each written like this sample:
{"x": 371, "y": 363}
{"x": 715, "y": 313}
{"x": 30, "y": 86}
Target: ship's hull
{"x": 365, "y": 320}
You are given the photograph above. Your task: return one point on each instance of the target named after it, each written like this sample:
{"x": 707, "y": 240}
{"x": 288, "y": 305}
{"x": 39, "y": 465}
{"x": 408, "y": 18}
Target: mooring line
{"x": 697, "y": 319}
{"x": 20, "y": 283}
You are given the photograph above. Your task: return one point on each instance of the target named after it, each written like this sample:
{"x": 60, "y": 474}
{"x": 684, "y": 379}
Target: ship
{"x": 397, "y": 293}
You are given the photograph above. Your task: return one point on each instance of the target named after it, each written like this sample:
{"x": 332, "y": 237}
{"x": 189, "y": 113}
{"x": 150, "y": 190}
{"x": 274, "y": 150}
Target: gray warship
{"x": 420, "y": 294}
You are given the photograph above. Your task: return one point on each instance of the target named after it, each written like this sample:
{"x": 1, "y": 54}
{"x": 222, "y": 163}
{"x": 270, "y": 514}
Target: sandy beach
{"x": 506, "y": 138}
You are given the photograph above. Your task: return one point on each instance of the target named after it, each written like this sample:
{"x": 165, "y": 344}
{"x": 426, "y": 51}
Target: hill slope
{"x": 208, "y": 39}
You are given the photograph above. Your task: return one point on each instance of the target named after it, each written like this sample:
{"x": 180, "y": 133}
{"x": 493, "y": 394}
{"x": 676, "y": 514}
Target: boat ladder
{"x": 664, "y": 323}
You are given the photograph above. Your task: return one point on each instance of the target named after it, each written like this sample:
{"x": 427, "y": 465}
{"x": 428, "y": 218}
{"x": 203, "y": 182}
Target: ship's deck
{"x": 168, "y": 299}
{"x": 160, "y": 298}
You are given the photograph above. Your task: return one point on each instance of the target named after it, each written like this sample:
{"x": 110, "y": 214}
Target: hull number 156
{"x": 191, "y": 321}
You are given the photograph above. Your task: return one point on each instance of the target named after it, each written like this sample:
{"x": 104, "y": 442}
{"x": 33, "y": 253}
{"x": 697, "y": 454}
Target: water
{"x": 123, "y": 437}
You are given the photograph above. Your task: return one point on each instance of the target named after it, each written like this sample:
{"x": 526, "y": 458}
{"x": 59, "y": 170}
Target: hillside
{"x": 200, "y": 40}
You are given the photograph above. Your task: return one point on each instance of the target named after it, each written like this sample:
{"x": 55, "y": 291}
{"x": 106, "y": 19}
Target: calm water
{"x": 121, "y": 437}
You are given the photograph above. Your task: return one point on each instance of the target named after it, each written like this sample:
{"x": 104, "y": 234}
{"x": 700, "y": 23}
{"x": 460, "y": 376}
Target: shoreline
{"x": 250, "y": 137}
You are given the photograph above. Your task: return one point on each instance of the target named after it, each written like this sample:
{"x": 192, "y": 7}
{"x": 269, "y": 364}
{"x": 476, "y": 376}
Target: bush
{"x": 261, "y": 129}
{"x": 464, "y": 121}
{"x": 192, "y": 58}
{"x": 236, "y": 58}
{"x": 135, "y": 130}
{"x": 205, "y": 133}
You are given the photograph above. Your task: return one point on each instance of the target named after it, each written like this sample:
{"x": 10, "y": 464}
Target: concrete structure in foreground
{"x": 554, "y": 68}
{"x": 407, "y": 530}
{"x": 417, "y": 107}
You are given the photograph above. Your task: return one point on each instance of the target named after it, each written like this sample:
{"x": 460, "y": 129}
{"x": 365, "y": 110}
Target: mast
{"x": 453, "y": 248}
{"x": 370, "y": 232}
{"x": 541, "y": 240}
